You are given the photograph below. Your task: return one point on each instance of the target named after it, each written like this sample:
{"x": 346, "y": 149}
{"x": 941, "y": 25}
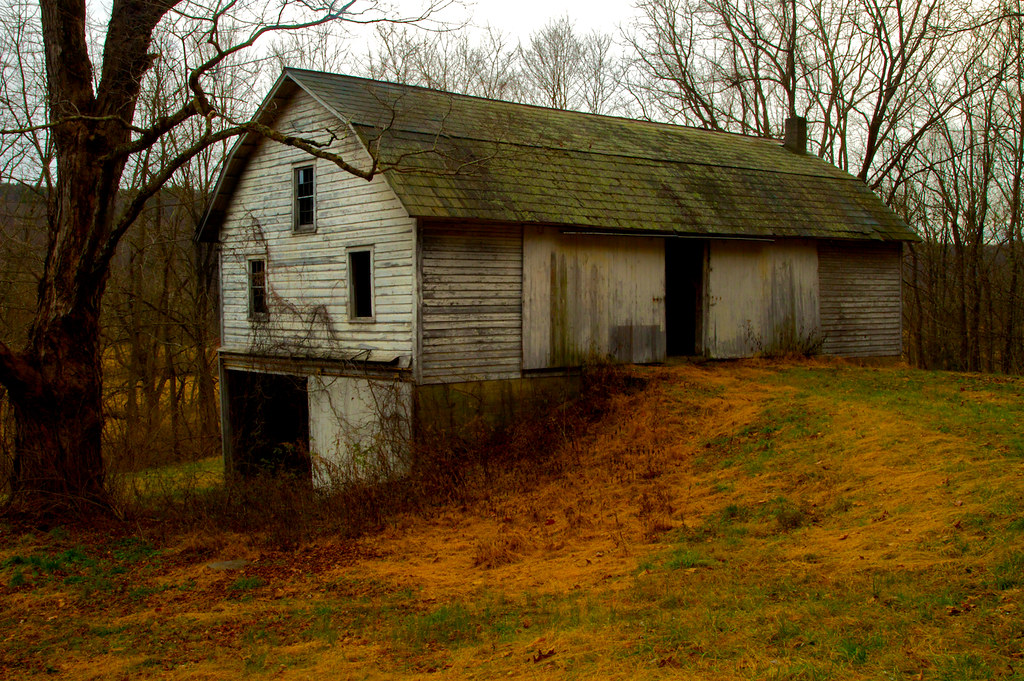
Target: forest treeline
{"x": 921, "y": 99}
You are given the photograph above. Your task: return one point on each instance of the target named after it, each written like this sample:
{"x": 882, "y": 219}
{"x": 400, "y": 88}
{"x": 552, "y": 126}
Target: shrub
{"x": 453, "y": 465}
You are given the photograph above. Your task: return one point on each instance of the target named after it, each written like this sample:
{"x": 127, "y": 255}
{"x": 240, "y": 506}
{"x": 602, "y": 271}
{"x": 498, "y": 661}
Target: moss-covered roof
{"x": 468, "y": 158}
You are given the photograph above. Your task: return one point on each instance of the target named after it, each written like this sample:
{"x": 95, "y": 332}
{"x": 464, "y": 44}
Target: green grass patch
{"x": 133, "y": 550}
{"x": 246, "y": 583}
{"x": 986, "y": 409}
{"x": 449, "y": 625}
{"x": 683, "y": 558}
{"x": 769, "y": 443}
{"x": 1009, "y": 571}
{"x": 179, "y": 479}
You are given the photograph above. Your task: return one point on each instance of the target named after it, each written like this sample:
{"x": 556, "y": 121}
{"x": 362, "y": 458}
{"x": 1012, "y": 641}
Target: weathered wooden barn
{"x": 505, "y": 244}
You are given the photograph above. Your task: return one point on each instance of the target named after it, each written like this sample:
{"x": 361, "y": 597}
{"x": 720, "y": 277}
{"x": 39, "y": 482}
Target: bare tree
{"x": 563, "y": 69}
{"x": 964, "y": 307}
{"x": 717, "y": 63}
{"x": 550, "y": 62}
{"x": 559, "y": 68}
{"x": 600, "y": 74}
{"x": 22, "y": 213}
{"x": 320, "y": 48}
{"x": 1011, "y": 152}
{"x": 870, "y": 77}
{"x": 97, "y": 132}
{"x": 21, "y": 96}
{"x": 446, "y": 60}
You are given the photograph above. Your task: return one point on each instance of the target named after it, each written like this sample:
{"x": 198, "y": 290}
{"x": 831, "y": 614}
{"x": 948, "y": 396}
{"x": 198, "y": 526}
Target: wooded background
{"x": 921, "y": 99}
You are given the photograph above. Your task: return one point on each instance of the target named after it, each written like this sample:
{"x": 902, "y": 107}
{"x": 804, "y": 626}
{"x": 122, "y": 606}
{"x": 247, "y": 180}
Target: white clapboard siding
{"x": 592, "y": 297}
{"x": 471, "y": 290}
{"x": 307, "y": 274}
{"x": 861, "y": 301}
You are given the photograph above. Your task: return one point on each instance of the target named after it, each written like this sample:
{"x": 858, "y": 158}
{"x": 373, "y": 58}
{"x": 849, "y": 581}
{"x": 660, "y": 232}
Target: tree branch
{"x": 69, "y": 119}
{"x": 150, "y": 188}
{"x": 157, "y": 181}
{"x": 201, "y": 101}
{"x": 312, "y": 148}
{"x": 149, "y": 136}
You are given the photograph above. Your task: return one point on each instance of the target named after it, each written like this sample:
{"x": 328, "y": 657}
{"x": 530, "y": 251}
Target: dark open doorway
{"x": 684, "y": 295}
{"x": 269, "y": 422}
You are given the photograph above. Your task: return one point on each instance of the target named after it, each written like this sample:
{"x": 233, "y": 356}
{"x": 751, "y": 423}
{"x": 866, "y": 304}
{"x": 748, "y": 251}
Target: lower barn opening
{"x": 684, "y": 295}
{"x": 269, "y": 424}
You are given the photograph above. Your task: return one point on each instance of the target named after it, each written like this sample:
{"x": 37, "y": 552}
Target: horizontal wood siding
{"x": 861, "y": 298}
{"x": 307, "y": 275}
{"x": 472, "y": 292}
{"x": 592, "y": 297}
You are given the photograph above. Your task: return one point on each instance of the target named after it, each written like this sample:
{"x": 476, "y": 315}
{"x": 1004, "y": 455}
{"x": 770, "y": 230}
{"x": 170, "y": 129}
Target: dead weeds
{"x": 740, "y": 520}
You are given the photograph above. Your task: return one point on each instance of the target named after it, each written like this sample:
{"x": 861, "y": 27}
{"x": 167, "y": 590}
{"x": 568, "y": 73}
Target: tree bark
{"x": 55, "y": 383}
{"x": 58, "y": 421}
{"x": 58, "y": 412}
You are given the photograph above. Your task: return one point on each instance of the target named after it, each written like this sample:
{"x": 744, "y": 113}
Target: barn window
{"x": 305, "y": 199}
{"x": 258, "y": 289}
{"x": 360, "y": 283}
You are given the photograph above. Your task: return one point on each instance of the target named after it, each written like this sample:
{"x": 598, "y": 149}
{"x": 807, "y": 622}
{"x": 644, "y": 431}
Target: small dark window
{"x": 360, "y": 275}
{"x": 304, "y": 200}
{"x": 258, "y": 288}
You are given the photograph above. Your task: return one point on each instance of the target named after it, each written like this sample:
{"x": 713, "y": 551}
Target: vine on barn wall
{"x": 366, "y": 450}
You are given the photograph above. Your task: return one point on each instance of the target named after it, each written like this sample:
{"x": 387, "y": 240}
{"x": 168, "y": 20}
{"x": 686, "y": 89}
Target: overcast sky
{"x": 515, "y": 18}
{"x": 519, "y": 18}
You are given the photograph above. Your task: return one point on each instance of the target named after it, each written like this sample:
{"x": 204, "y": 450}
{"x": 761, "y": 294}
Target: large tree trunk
{"x": 57, "y": 402}
{"x": 58, "y": 425}
{"x": 54, "y": 384}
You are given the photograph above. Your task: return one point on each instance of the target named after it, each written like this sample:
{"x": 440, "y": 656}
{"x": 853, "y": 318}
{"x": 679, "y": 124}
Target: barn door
{"x": 684, "y": 295}
{"x": 269, "y": 423}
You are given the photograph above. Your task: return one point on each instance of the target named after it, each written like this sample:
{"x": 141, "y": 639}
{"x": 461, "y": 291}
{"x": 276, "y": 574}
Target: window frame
{"x": 252, "y": 288}
{"x": 298, "y": 168}
{"x": 352, "y": 284}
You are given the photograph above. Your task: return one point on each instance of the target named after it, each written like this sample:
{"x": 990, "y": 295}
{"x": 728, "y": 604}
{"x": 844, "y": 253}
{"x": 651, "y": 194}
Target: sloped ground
{"x": 740, "y": 520}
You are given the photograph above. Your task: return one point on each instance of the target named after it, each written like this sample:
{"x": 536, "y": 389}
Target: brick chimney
{"x": 796, "y": 135}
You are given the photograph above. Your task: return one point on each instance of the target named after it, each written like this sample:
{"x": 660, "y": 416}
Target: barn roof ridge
{"x": 291, "y": 70}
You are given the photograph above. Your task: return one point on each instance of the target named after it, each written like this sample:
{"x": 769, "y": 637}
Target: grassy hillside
{"x": 728, "y": 521}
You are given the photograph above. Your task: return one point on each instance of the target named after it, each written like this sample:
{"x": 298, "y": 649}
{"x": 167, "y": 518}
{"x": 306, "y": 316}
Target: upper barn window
{"x": 304, "y": 208}
{"x": 360, "y": 284}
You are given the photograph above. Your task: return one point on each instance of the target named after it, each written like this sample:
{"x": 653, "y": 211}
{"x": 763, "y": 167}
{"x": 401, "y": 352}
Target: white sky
{"x": 519, "y": 18}
{"x": 516, "y": 19}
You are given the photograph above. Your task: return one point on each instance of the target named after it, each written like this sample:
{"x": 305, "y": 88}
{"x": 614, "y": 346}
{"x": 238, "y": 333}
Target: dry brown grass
{"x": 729, "y": 521}
{"x": 504, "y": 548}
